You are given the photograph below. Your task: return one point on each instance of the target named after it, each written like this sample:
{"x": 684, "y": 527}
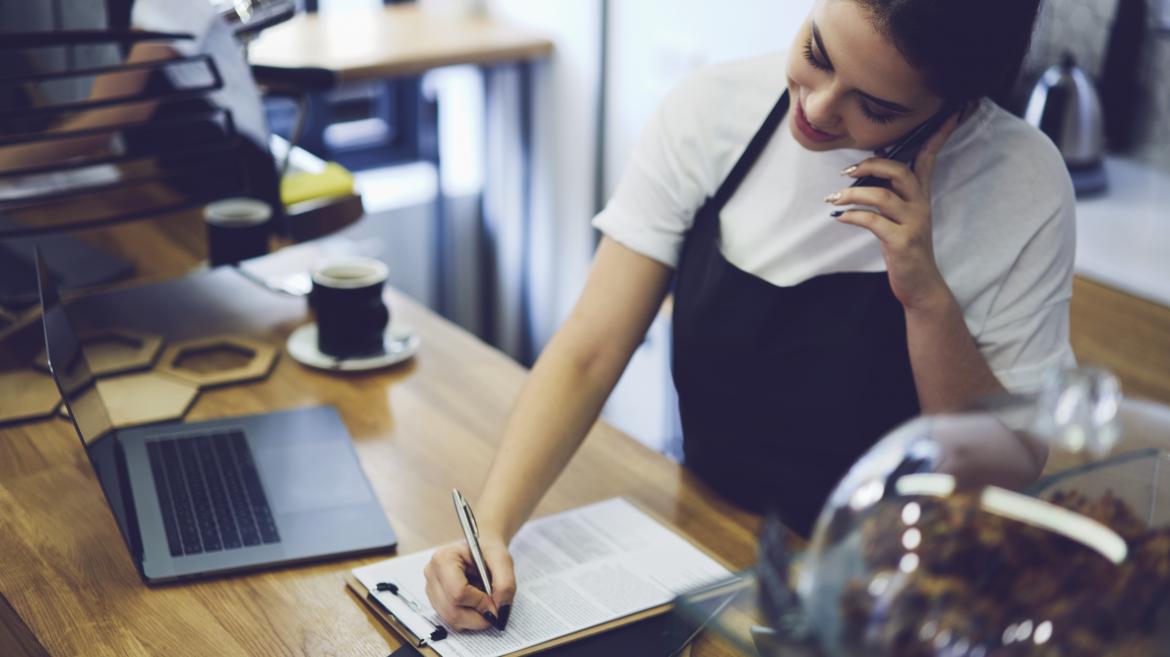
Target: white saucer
{"x": 401, "y": 343}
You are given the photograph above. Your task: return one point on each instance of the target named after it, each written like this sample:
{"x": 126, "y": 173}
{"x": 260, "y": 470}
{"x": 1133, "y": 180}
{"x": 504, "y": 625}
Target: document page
{"x": 574, "y": 570}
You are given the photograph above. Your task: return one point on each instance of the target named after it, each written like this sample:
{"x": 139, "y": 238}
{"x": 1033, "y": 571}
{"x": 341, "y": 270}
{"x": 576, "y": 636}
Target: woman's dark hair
{"x": 966, "y": 49}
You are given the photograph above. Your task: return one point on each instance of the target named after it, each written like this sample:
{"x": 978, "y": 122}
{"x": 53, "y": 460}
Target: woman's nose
{"x": 820, "y": 109}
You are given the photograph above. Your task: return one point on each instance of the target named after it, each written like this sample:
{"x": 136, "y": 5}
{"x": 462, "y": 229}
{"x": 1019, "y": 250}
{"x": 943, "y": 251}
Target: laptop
{"x": 208, "y": 498}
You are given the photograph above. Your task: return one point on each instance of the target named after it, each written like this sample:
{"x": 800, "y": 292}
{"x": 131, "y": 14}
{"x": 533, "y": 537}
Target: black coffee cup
{"x": 237, "y": 229}
{"x": 347, "y": 301}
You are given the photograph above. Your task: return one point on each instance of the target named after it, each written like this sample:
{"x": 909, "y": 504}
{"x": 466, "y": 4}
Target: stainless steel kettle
{"x": 1064, "y": 104}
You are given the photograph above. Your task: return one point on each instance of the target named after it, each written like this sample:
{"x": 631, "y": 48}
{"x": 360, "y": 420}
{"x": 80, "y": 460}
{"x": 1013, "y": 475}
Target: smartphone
{"x": 905, "y": 150}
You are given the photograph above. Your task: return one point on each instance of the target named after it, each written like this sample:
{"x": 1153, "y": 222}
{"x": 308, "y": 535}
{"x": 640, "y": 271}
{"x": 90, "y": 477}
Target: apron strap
{"x": 752, "y": 152}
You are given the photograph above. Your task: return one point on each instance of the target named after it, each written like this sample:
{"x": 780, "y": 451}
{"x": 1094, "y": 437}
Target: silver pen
{"x": 471, "y": 533}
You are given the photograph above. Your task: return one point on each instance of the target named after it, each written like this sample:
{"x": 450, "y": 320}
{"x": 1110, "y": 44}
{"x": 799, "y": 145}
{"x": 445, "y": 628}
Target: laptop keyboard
{"x": 210, "y": 493}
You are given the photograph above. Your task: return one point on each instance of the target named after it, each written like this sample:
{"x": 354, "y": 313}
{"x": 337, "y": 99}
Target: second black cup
{"x": 237, "y": 229}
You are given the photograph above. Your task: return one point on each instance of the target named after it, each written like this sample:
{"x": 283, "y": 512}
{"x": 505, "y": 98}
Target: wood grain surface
{"x": 393, "y": 41}
{"x": 1125, "y": 334}
{"x": 15, "y": 637}
{"x": 26, "y": 394}
{"x": 419, "y": 429}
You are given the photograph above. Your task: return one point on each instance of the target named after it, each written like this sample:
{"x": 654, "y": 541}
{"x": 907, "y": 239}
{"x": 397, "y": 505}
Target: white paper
{"x": 574, "y": 570}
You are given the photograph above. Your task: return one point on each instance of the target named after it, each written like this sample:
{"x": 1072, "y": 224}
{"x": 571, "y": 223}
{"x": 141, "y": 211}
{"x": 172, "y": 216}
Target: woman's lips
{"x": 808, "y": 131}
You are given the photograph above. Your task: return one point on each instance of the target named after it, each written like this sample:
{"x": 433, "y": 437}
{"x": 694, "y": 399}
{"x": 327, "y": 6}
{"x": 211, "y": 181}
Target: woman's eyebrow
{"x": 887, "y": 104}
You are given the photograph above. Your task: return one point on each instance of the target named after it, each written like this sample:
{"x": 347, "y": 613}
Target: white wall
{"x": 564, "y": 135}
{"x": 655, "y": 43}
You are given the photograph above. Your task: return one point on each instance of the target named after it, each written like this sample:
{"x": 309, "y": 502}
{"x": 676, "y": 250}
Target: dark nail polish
{"x": 491, "y": 618}
{"x": 836, "y": 213}
{"x": 504, "y": 612}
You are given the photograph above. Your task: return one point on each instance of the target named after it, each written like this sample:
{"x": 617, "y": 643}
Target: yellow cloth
{"x": 299, "y": 186}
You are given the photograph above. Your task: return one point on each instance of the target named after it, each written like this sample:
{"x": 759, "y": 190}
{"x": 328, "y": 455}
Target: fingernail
{"x": 833, "y": 198}
{"x": 504, "y": 611}
{"x": 849, "y": 170}
{"x": 836, "y": 214}
{"x": 491, "y": 618}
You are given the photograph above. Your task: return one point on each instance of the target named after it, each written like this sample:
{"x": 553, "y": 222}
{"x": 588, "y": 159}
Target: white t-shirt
{"x": 1002, "y": 205}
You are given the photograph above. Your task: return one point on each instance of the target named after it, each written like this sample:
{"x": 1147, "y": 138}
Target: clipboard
{"x": 419, "y": 633}
{"x": 423, "y": 644}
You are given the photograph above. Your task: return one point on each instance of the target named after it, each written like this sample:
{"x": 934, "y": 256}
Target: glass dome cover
{"x": 938, "y": 543}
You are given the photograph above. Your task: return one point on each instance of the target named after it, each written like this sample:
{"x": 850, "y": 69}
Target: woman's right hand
{"x": 461, "y": 605}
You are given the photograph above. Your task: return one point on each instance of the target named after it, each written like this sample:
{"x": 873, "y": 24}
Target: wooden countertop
{"x": 419, "y": 430}
{"x": 393, "y": 41}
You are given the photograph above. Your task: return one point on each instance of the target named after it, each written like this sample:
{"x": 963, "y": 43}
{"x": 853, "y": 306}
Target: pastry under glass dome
{"x": 931, "y": 546}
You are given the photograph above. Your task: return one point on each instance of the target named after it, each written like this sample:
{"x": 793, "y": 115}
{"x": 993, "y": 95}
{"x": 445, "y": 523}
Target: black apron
{"x": 781, "y": 389}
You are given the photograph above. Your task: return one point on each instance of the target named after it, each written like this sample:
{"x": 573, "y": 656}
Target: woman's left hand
{"x": 900, "y": 218}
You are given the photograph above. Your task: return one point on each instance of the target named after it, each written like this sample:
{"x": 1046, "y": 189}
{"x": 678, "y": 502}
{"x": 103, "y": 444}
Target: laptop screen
{"x": 91, "y": 419}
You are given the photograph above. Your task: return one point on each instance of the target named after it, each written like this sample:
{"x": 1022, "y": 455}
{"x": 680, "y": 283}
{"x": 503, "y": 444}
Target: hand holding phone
{"x": 891, "y": 198}
{"x": 905, "y": 150}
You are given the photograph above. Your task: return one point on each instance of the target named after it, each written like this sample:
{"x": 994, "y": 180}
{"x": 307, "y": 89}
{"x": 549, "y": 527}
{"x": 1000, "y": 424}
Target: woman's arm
{"x": 949, "y": 371}
{"x": 557, "y": 406}
{"x": 570, "y": 382}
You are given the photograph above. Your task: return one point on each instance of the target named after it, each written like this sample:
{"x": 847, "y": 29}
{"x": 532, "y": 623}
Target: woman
{"x": 800, "y": 335}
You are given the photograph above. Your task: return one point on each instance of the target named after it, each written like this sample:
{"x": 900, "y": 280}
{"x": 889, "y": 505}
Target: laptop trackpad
{"x": 310, "y": 476}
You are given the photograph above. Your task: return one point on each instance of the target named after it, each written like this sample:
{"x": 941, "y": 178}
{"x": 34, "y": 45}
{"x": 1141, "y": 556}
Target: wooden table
{"x": 67, "y": 583}
{"x": 394, "y": 41}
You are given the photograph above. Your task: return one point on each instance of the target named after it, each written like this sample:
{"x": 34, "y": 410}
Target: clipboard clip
{"x": 438, "y": 632}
